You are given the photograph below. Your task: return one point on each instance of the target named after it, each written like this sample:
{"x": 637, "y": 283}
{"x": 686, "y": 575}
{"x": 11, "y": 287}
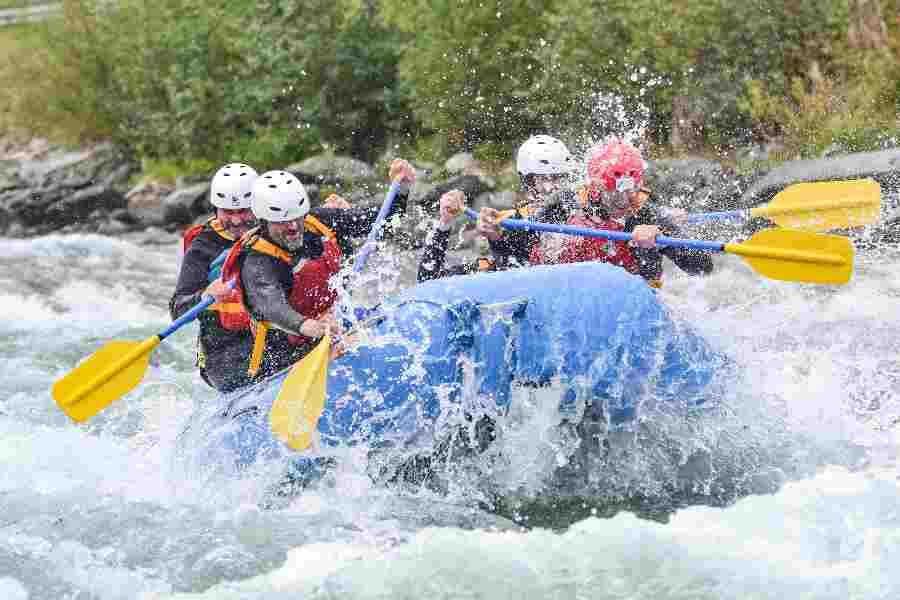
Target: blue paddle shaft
{"x": 661, "y": 240}
{"x": 369, "y": 244}
{"x": 191, "y": 314}
{"x": 728, "y": 215}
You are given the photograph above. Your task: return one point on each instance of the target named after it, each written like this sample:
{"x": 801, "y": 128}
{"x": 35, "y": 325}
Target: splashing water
{"x": 806, "y": 428}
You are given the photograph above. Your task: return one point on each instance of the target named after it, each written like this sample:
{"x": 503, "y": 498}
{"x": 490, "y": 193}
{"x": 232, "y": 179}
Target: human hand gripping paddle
{"x": 782, "y": 254}
{"x": 113, "y": 370}
{"x": 818, "y": 206}
{"x": 301, "y": 399}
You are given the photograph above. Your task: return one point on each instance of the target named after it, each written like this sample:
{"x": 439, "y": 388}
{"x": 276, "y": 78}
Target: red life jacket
{"x": 310, "y": 295}
{"x": 576, "y": 248}
{"x": 579, "y": 249}
{"x": 232, "y": 315}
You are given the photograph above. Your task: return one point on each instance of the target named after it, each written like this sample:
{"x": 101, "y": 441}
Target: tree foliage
{"x": 272, "y": 80}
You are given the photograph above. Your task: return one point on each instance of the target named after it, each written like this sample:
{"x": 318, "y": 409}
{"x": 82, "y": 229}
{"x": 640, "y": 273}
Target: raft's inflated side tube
{"x": 591, "y": 326}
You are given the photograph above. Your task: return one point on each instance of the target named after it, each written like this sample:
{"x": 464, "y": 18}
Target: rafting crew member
{"x": 282, "y": 269}
{"x": 224, "y": 338}
{"x": 612, "y": 200}
{"x": 431, "y": 266}
{"x": 545, "y": 166}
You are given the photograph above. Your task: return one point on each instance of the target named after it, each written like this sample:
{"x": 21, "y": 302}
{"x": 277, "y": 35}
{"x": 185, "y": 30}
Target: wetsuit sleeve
{"x": 517, "y": 244}
{"x": 693, "y": 262}
{"x": 265, "y": 295}
{"x": 513, "y": 246}
{"x": 357, "y": 222}
{"x": 432, "y": 264}
{"x": 192, "y": 279}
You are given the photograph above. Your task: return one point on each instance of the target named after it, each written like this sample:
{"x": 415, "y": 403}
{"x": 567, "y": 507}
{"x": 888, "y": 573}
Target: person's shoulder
{"x": 206, "y": 241}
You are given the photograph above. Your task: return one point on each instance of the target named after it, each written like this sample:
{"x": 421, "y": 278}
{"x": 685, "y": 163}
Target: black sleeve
{"x": 513, "y": 245}
{"x": 192, "y": 279}
{"x": 265, "y": 295}
{"x": 356, "y": 222}
{"x": 432, "y": 264}
{"x": 517, "y": 244}
{"x": 689, "y": 260}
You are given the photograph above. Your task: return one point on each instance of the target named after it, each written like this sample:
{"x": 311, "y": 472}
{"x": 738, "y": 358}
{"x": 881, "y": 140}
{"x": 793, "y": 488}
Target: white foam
{"x": 11, "y": 589}
{"x": 834, "y": 536}
{"x": 61, "y": 245}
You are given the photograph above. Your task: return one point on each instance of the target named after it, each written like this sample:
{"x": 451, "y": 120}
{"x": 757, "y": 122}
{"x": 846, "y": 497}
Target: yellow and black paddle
{"x": 783, "y": 254}
{"x": 817, "y": 206}
{"x": 301, "y": 399}
{"x": 112, "y": 371}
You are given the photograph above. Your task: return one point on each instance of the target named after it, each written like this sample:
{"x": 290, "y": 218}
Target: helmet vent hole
{"x": 220, "y": 194}
{"x": 274, "y": 208}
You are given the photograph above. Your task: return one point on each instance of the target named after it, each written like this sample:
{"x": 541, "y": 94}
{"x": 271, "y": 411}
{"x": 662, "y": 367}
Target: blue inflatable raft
{"x": 458, "y": 346}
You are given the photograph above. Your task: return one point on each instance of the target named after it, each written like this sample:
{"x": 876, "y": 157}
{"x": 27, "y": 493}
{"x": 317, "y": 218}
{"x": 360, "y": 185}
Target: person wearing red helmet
{"x": 613, "y": 200}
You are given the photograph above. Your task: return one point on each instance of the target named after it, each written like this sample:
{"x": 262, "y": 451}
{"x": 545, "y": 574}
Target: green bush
{"x": 271, "y": 81}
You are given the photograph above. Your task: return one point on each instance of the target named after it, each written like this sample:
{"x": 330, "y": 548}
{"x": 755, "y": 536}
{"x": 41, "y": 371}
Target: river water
{"x": 808, "y": 431}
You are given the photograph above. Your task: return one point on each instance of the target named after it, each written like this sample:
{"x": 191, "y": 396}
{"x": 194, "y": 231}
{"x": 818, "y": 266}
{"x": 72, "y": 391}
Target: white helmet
{"x": 278, "y": 196}
{"x": 232, "y": 186}
{"x": 543, "y": 155}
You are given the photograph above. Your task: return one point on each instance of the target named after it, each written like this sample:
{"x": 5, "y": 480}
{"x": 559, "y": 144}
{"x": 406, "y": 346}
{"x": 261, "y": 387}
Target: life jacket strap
{"x": 217, "y": 226}
{"x": 227, "y": 307}
{"x": 259, "y": 345}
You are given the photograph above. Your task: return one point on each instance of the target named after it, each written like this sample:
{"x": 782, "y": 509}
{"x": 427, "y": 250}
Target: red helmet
{"x": 616, "y": 166}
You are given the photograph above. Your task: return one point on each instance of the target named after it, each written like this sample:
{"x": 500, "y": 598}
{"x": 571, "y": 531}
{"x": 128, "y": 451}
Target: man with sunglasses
{"x": 612, "y": 200}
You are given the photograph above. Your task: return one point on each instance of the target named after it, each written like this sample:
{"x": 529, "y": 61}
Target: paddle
{"x": 781, "y": 254}
{"x": 112, "y": 371}
{"x": 301, "y": 399}
{"x": 818, "y": 206}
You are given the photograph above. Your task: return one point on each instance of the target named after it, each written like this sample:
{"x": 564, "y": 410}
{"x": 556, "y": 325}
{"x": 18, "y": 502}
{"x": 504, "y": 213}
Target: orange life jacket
{"x": 232, "y": 315}
{"x": 311, "y": 294}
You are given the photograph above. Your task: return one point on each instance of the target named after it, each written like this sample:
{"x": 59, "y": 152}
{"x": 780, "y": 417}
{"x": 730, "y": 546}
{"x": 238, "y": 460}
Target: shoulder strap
{"x": 270, "y": 249}
{"x": 313, "y": 224}
{"x": 189, "y": 237}
{"x": 219, "y": 229}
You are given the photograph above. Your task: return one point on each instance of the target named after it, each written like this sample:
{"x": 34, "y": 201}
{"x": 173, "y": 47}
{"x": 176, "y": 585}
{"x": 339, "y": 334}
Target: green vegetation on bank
{"x": 186, "y": 83}
{"x": 5, "y": 4}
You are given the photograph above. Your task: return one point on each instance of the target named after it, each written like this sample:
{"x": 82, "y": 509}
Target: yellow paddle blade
{"x": 301, "y": 399}
{"x": 789, "y": 255}
{"x": 825, "y": 205}
{"x": 109, "y": 373}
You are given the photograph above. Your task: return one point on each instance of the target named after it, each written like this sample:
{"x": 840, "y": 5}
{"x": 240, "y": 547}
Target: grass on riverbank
{"x": 5, "y": 4}
{"x": 17, "y": 43}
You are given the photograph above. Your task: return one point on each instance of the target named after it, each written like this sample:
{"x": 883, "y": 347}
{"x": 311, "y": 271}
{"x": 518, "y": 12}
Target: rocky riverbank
{"x": 46, "y": 188}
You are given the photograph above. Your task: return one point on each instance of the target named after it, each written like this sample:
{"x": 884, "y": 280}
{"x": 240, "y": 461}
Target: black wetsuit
{"x": 267, "y": 282}
{"x": 431, "y": 266}
{"x": 220, "y": 353}
{"x": 516, "y": 245}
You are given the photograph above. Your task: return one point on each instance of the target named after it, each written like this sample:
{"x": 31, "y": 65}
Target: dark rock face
{"x": 64, "y": 189}
{"x": 88, "y": 190}
{"x": 697, "y": 184}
